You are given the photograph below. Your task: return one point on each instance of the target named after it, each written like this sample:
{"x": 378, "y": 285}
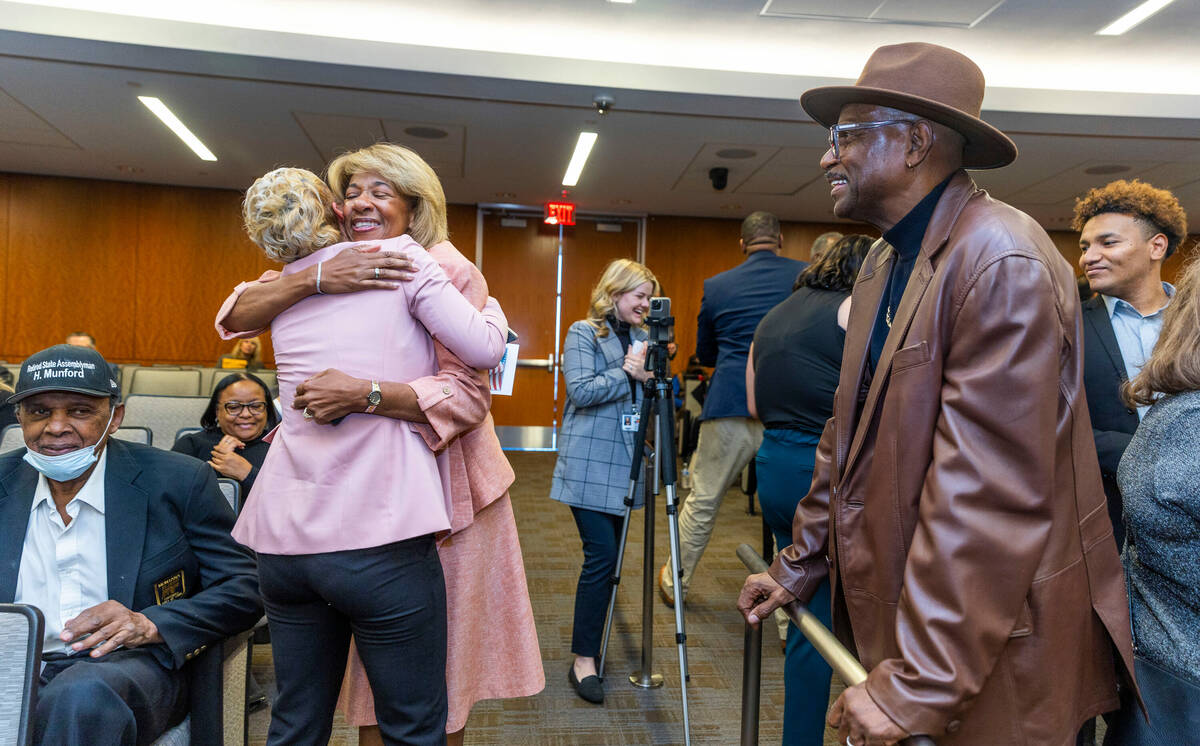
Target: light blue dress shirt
{"x": 1136, "y": 334}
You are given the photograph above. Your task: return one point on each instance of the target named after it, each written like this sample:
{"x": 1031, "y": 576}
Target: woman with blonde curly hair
{"x": 344, "y": 518}
{"x": 603, "y": 364}
{"x": 492, "y": 650}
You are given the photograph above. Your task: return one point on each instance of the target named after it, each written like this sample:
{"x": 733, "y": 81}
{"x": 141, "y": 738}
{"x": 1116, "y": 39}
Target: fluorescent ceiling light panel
{"x": 623, "y": 2}
{"x": 1133, "y": 17}
{"x": 582, "y": 149}
{"x": 179, "y": 128}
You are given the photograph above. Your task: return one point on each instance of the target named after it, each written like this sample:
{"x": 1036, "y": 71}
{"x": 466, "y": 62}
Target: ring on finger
{"x": 377, "y": 273}
{"x": 308, "y": 415}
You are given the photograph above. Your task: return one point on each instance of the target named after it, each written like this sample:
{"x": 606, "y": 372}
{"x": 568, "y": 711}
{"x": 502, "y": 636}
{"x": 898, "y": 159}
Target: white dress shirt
{"x": 1136, "y": 333}
{"x": 64, "y": 568}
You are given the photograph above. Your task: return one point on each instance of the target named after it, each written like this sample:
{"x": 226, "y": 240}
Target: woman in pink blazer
{"x": 493, "y": 646}
{"x": 343, "y": 519}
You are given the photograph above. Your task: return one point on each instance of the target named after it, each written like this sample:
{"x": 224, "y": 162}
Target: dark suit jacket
{"x": 164, "y": 515}
{"x": 733, "y": 304}
{"x": 1113, "y": 422}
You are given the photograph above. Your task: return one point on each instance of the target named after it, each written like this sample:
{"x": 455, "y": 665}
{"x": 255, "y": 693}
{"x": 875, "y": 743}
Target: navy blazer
{"x": 165, "y": 521}
{"x": 1113, "y": 421}
{"x": 733, "y": 304}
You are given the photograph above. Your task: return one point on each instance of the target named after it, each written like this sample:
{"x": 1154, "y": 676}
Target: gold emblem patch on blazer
{"x": 170, "y": 588}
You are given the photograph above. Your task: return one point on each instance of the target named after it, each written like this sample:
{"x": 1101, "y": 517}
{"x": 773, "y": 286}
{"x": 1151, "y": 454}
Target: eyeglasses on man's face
{"x": 234, "y": 408}
{"x": 837, "y": 130}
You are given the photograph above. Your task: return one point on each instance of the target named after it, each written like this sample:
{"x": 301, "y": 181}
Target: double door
{"x": 543, "y": 291}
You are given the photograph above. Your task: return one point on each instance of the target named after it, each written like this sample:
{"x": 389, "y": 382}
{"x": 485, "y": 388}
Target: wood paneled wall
{"x": 683, "y": 252}
{"x": 145, "y": 267}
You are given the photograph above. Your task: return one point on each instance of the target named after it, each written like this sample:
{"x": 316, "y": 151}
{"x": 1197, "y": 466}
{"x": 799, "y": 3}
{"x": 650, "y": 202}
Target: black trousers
{"x": 601, "y": 536}
{"x": 393, "y": 599}
{"x": 127, "y": 697}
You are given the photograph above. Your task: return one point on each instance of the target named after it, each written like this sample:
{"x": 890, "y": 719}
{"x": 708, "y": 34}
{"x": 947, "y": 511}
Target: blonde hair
{"x": 255, "y": 360}
{"x": 1174, "y": 366}
{"x": 289, "y": 214}
{"x": 620, "y": 276}
{"x": 409, "y": 175}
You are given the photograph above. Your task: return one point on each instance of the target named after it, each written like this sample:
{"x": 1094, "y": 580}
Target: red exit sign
{"x": 560, "y": 213}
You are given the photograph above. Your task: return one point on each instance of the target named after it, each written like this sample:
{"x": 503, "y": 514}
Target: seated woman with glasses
{"x": 238, "y": 415}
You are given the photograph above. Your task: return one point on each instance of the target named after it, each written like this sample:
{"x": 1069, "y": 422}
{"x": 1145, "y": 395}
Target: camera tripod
{"x": 658, "y": 403}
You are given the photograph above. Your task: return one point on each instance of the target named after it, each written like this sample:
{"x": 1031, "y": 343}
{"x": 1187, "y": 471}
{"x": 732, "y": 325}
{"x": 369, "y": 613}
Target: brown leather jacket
{"x": 956, "y": 501}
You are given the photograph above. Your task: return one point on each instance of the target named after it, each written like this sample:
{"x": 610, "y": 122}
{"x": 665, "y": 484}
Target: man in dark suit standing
{"x": 1127, "y": 229}
{"x": 124, "y": 548}
{"x": 733, "y": 304}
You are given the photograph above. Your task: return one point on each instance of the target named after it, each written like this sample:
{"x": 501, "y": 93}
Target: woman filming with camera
{"x": 604, "y": 367}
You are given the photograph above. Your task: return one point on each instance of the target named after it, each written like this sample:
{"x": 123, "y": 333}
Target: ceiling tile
{"x": 20, "y": 125}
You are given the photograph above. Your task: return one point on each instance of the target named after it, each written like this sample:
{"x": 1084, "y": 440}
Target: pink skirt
{"x": 492, "y": 650}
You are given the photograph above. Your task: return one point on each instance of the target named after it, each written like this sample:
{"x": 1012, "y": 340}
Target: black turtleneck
{"x": 905, "y": 237}
{"x": 622, "y": 330}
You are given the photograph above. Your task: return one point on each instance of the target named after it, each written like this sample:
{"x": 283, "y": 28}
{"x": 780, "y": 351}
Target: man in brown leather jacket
{"x": 956, "y": 502}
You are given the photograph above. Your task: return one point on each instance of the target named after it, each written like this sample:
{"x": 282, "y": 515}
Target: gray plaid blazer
{"x": 594, "y": 453}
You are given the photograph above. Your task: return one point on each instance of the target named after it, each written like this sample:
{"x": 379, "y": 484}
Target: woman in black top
{"x": 239, "y": 413}
{"x": 791, "y": 374}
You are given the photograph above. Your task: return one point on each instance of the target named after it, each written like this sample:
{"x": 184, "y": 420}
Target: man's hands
{"x": 859, "y": 720}
{"x": 109, "y": 626}
{"x": 761, "y": 595}
{"x": 354, "y": 269}
{"x": 331, "y": 394}
{"x": 226, "y": 460}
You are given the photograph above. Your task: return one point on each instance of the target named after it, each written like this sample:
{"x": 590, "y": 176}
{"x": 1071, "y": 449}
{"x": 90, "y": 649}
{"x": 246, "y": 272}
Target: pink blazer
{"x": 456, "y": 402}
{"x": 370, "y": 480}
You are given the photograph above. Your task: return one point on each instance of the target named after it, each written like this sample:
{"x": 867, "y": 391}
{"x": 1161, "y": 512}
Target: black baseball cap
{"x": 65, "y": 368}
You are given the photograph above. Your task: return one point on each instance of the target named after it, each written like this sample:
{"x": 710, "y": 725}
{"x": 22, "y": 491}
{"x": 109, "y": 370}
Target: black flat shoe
{"x": 590, "y": 688}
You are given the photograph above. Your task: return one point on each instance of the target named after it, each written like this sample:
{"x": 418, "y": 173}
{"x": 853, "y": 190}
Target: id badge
{"x": 630, "y": 422}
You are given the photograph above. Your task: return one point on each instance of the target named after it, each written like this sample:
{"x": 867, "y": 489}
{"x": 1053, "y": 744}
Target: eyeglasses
{"x": 234, "y": 408}
{"x": 836, "y": 130}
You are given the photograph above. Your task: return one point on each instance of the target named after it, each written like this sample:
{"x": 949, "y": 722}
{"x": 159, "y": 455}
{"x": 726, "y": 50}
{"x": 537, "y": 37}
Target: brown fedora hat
{"x": 932, "y": 82}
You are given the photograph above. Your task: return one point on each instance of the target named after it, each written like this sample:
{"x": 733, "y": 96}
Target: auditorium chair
{"x": 164, "y": 415}
{"x": 21, "y": 629}
{"x": 135, "y": 434}
{"x": 165, "y": 382}
{"x": 11, "y": 438}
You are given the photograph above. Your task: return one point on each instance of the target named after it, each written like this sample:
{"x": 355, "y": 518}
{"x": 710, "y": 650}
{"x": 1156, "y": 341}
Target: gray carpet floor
{"x": 715, "y": 639}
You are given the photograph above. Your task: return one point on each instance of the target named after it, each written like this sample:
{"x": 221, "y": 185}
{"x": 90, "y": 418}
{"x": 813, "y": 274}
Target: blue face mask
{"x": 68, "y": 466}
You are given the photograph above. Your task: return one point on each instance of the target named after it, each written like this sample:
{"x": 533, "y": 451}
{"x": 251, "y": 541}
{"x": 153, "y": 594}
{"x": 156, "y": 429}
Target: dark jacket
{"x": 957, "y": 497}
{"x": 200, "y": 444}
{"x": 1113, "y": 421}
{"x": 164, "y": 515}
{"x": 733, "y": 304}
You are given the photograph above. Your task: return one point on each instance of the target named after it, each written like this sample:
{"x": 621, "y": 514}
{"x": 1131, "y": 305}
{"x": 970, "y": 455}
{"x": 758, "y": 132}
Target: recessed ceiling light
{"x": 179, "y": 128}
{"x": 1133, "y": 17}
{"x": 579, "y": 159}
{"x": 1107, "y": 169}
{"x": 623, "y": 2}
{"x": 426, "y": 133}
{"x": 736, "y": 153}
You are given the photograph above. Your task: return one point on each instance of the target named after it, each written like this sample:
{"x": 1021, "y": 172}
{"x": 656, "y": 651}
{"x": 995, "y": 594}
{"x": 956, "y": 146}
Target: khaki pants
{"x": 725, "y": 447}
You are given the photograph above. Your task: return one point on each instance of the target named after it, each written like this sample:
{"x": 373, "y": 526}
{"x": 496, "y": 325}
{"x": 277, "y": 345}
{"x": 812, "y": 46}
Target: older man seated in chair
{"x": 124, "y": 548}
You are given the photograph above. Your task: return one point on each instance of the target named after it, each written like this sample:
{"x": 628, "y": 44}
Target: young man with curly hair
{"x": 1126, "y": 230}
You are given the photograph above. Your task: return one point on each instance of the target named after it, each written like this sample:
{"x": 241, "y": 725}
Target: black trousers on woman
{"x": 601, "y": 535}
{"x": 393, "y": 599}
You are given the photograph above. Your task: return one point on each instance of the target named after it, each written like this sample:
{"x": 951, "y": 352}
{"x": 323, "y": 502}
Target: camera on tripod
{"x": 660, "y": 321}
{"x": 662, "y": 332}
